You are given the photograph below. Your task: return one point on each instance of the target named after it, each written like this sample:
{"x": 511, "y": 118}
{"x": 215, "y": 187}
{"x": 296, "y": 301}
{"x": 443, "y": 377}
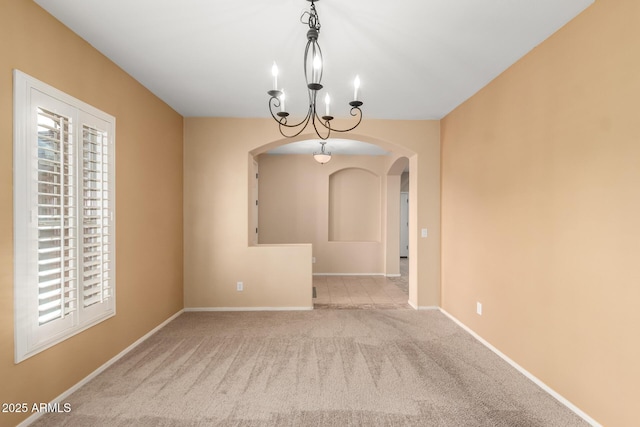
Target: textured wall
{"x": 149, "y": 202}
{"x": 540, "y": 209}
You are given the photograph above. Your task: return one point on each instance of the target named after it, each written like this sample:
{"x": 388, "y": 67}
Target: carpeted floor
{"x": 314, "y": 368}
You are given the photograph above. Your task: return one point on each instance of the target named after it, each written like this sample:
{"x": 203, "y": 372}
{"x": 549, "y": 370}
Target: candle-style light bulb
{"x": 317, "y": 67}
{"x": 356, "y": 85}
{"x": 274, "y": 73}
{"x": 327, "y": 101}
{"x": 282, "y": 101}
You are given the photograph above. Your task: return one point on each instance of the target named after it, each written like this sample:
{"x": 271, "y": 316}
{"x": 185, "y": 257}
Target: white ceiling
{"x": 417, "y": 59}
{"x": 335, "y": 146}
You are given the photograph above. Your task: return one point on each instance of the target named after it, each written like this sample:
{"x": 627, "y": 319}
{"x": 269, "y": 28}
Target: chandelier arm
{"x": 304, "y": 121}
{"x": 282, "y": 120}
{"x": 355, "y": 111}
{"x": 313, "y": 122}
{"x": 274, "y": 102}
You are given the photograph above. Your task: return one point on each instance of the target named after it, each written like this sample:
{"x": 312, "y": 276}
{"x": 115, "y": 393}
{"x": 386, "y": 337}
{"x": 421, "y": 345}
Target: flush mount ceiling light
{"x": 322, "y": 157}
{"x": 313, "y": 65}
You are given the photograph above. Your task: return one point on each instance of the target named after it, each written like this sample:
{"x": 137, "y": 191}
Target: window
{"x": 64, "y": 223}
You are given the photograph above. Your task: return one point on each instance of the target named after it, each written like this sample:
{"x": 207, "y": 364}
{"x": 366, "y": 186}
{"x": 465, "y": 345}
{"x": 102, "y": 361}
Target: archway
{"x": 394, "y": 164}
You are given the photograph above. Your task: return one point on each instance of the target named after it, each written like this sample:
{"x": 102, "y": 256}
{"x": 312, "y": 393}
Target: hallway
{"x": 363, "y": 292}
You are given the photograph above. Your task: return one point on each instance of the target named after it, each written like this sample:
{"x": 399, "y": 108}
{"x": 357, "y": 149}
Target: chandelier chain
{"x": 313, "y": 20}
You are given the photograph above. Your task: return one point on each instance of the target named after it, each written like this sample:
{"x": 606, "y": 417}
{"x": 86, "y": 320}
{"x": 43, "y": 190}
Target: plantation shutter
{"x": 97, "y": 224}
{"x": 64, "y": 204}
{"x": 56, "y": 222}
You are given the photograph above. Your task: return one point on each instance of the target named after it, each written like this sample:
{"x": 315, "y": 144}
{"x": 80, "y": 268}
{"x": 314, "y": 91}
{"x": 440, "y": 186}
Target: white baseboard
{"x": 348, "y": 274}
{"x": 422, "y": 307}
{"x": 358, "y": 274}
{"x": 98, "y": 371}
{"x": 193, "y": 309}
{"x": 526, "y": 373}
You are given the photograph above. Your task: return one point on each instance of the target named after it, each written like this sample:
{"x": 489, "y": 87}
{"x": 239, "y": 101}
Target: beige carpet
{"x": 315, "y": 368}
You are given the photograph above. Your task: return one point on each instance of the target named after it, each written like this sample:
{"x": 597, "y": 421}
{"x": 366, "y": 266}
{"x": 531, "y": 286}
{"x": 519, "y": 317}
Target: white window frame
{"x": 32, "y": 334}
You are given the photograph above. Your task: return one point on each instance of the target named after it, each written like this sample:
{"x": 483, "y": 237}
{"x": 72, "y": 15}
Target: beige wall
{"x": 541, "y": 174}
{"x": 355, "y": 205}
{"x": 149, "y": 201}
{"x": 295, "y": 207}
{"x": 217, "y": 169}
{"x": 217, "y": 163}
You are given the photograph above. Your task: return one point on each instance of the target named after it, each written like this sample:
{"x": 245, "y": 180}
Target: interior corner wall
{"x": 295, "y": 208}
{"x": 149, "y": 202}
{"x": 540, "y": 208}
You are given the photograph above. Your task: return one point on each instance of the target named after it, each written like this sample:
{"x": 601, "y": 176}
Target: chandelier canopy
{"x": 313, "y": 69}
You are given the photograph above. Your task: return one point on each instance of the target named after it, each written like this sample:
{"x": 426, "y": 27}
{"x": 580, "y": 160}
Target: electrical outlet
{"x": 313, "y": 260}
{"x": 425, "y": 232}
{"x": 239, "y": 286}
{"x": 479, "y": 308}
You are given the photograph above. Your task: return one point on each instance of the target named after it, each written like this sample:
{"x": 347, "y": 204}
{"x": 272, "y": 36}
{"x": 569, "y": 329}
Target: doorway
{"x": 404, "y": 224}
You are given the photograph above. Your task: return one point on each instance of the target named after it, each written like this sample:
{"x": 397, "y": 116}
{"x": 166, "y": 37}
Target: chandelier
{"x": 313, "y": 69}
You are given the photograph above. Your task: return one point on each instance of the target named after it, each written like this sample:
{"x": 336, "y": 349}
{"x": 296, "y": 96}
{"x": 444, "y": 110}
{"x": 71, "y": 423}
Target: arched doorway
{"x": 315, "y": 221}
